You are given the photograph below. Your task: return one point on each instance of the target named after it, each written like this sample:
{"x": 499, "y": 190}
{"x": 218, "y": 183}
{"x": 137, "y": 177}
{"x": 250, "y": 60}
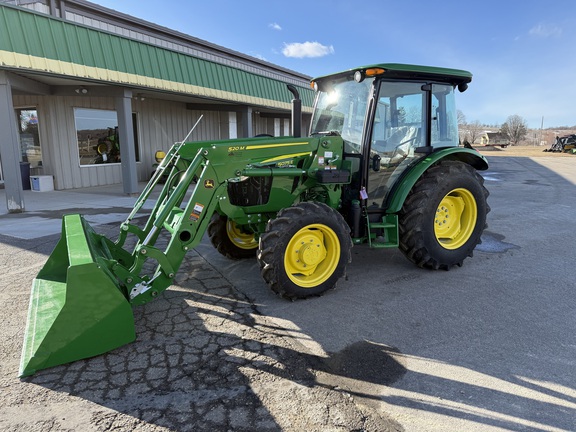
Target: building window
{"x": 97, "y": 134}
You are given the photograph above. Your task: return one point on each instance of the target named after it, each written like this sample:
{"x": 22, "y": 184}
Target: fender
{"x": 404, "y": 186}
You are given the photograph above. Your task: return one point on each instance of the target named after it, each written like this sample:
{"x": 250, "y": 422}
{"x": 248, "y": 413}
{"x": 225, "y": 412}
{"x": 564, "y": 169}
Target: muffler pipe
{"x": 296, "y": 112}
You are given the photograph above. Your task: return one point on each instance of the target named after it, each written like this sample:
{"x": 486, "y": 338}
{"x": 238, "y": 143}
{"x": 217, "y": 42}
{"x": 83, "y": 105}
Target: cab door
{"x": 399, "y": 127}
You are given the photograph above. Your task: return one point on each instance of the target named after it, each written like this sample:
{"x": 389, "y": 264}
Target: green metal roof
{"x": 41, "y": 43}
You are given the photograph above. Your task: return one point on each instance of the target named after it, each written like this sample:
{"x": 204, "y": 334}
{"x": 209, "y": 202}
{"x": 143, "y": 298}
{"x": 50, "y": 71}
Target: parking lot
{"x": 488, "y": 346}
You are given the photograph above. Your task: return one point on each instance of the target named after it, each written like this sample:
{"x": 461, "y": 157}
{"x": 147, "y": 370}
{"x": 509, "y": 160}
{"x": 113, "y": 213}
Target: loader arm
{"x": 186, "y": 226}
{"x": 184, "y": 211}
{"x": 85, "y": 290}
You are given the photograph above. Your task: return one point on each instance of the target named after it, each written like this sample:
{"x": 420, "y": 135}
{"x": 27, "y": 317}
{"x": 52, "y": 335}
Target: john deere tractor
{"x": 381, "y": 166}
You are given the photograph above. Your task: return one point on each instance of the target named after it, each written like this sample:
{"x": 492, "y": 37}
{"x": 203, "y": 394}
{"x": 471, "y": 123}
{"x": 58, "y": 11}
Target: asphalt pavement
{"x": 485, "y": 347}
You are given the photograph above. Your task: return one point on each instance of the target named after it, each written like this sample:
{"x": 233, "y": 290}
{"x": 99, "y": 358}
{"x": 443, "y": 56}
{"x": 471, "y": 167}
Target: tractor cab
{"x": 390, "y": 117}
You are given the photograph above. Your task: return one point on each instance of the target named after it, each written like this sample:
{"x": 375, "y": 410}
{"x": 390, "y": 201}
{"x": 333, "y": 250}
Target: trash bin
{"x": 25, "y": 173}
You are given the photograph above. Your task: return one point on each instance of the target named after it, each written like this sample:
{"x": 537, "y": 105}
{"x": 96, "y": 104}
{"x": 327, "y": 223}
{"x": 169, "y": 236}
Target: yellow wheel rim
{"x": 238, "y": 238}
{"x": 455, "y": 219}
{"x": 312, "y": 255}
{"x": 102, "y": 148}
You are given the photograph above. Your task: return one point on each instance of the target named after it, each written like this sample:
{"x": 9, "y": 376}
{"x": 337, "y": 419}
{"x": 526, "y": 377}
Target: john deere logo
{"x": 209, "y": 184}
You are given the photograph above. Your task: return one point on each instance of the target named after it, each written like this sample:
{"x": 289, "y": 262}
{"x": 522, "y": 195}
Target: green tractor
{"x": 381, "y": 166}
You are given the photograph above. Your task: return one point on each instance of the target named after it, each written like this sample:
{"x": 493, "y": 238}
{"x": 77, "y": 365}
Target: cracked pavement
{"x": 205, "y": 359}
{"x": 487, "y": 347}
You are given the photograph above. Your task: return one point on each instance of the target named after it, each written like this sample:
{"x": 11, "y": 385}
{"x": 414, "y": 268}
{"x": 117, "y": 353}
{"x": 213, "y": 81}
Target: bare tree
{"x": 473, "y": 131}
{"x": 515, "y": 129}
{"x": 461, "y": 118}
{"x": 470, "y": 132}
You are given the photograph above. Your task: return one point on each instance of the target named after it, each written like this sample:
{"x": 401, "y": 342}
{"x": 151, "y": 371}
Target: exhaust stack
{"x": 296, "y": 112}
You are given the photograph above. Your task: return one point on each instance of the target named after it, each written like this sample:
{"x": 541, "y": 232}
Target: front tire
{"x": 305, "y": 250}
{"x": 444, "y": 215}
{"x": 230, "y": 240}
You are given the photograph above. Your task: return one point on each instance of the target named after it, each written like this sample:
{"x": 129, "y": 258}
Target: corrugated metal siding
{"x": 179, "y": 46}
{"x": 75, "y": 50}
{"x": 160, "y": 124}
{"x": 60, "y": 146}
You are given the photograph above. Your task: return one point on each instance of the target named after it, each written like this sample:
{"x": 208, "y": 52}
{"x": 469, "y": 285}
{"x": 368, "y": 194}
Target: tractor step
{"x": 383, "y": 234}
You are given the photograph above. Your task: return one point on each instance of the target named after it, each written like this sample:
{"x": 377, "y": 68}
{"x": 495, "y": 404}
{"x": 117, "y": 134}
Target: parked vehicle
{"x": 381, "y": 166}
{"x": 563, "y": 144}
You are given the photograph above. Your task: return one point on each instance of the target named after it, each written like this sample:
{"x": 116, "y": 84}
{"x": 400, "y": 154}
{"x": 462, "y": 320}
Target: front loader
{"x": 381, "y": 166}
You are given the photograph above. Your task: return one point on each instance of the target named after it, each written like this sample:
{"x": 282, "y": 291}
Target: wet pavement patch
{"x": 494, "y": 243}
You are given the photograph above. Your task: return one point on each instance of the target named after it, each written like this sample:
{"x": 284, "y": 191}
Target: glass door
{"x": 30, "y": 150}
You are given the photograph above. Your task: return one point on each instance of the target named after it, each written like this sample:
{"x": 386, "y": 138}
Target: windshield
{"x": 341, "y": 109}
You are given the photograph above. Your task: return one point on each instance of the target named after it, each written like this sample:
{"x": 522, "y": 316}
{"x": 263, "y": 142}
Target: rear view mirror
{"x": 376, "y": 162}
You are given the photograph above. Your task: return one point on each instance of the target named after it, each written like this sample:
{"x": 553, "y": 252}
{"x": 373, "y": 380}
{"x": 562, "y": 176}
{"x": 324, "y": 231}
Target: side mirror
{"x": 376, "y": 162}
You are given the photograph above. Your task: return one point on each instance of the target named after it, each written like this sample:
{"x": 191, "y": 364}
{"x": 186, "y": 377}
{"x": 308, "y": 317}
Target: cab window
{"x": 444, "y": 123}
{"x": 398, "y": 122}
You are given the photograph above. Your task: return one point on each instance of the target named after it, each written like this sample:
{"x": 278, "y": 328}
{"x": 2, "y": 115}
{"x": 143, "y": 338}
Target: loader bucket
{"x": 77, "y": 310}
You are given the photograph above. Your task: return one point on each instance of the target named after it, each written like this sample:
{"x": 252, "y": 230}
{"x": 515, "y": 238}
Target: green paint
{"x": 402, "y": 188}
{"x": 37, "y": 35}
{"x": 76, "y": 309}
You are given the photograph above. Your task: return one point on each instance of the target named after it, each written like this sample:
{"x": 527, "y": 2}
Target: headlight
{"x": 358, "y": 76}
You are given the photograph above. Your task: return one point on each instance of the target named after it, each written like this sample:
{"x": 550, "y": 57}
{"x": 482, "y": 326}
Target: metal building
{"x": 88, "y": 94}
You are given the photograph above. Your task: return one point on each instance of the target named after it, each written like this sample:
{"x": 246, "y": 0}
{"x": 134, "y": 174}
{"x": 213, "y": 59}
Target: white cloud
{"x": 545, "y": 31}
{"x": 306, "y": 49}
{"x": 275, "y": 26}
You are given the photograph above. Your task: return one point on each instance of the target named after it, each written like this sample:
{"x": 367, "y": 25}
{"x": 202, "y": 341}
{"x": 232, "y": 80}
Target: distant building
{"x": 88, "y": 94}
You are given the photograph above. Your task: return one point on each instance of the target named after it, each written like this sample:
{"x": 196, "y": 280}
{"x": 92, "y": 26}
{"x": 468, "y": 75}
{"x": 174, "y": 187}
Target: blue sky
{"x": 522, "y": 53}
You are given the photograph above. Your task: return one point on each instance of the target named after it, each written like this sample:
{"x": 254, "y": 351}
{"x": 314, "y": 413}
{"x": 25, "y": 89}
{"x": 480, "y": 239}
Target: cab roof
{"x": 410, "y": 72}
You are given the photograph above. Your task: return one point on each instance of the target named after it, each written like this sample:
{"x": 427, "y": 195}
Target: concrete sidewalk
{"x": 44, "y": 210}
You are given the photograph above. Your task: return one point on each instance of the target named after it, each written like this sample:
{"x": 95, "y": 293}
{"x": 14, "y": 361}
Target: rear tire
{"x": 230, "y": 240}
{"x": 305, "y": 250}
{"x": 444, "y": 215}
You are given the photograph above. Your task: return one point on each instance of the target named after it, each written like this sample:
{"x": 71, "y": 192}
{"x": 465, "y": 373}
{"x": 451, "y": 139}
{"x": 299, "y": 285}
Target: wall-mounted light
{"x": 81, "y": 90}
{"x": 140, "y": 97}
